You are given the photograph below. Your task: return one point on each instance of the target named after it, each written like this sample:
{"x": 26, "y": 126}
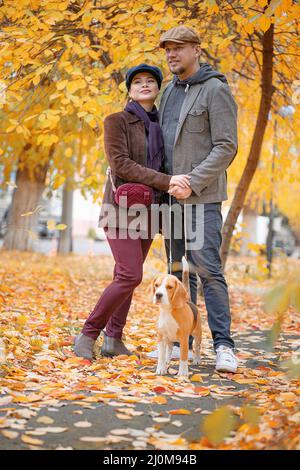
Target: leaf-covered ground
{"x": 50, "y": 399}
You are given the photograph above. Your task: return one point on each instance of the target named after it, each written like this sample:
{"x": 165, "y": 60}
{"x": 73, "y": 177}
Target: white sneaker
{"x": 175, "y": 353}
{"x": 153, "y": 354}
{"x": 226, "y": 360}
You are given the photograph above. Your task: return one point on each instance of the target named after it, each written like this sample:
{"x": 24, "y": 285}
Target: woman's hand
{"x": 183, "y": 181}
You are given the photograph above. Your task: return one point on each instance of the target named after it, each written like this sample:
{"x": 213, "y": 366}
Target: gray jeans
{"x": 206, "y": 262}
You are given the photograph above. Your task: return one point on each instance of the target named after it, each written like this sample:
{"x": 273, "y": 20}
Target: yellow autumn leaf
{"x": 251, "y": 414}
{"x": 93, "y": 439}
{"x": 30, "y": 440}
{"x": 178, "y": 442}
{"x": 36, "y": 343}
{"x": 52, "y": 429}
{"x": 219, "y": 424}
{"x": 94, "y": 55}
{"x": 82, "y": 424}
{"x": 61, "y": 84}
{"x": 60, "y": 227}
{"x": 295, "y": 296}
{"x": 196, "y": 378}
{"x": 47, "y": 139}
{"x": 160, "y": 400}
{"x": 27, "y": 214}
{"x": 249, "y": 28}
{"x": 10, "y": 129}
{"x": 76, "y": 85}
{"x": 9, "y": 434}
{"x": 264, "y": 23}
{"x": 36, "y": 79}
{"x": 45, "y": 420}
{"x": 51, "y": 224}
{"x": 277, "y": 300}
{"x": 68, "y": 152}
{"x": 180, "y": 411}
{"x": 58, "y": 181}
{"x": 21, "y": 320}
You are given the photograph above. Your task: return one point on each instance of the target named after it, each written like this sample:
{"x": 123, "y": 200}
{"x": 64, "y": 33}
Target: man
{"x": 198, "y": 116}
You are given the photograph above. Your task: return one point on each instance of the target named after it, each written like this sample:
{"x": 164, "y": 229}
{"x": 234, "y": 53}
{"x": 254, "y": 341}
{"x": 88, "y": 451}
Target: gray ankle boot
{"x": 83, "y": 346}
{"x": 114, "y": 347}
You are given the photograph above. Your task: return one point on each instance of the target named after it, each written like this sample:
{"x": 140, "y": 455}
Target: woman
{"x": 134, "y": 148}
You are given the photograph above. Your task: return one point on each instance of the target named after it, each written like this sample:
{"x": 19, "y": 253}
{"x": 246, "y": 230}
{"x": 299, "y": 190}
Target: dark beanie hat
{"x": 155, "y": 71}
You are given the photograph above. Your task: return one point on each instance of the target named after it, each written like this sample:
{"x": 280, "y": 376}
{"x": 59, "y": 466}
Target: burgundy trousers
{"x": 112, "y": 308}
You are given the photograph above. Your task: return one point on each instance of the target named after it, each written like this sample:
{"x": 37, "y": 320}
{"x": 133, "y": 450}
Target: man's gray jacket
{"x": 206, "y": 138}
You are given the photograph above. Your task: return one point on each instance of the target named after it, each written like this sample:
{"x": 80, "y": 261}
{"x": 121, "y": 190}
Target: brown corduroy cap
{"x": 179, "y": 34}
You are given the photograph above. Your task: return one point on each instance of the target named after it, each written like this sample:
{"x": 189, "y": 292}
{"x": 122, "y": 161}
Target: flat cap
{"x": 179, "y": 34}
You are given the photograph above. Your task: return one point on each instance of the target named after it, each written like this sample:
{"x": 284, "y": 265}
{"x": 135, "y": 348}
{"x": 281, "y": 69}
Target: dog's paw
{"x": 183, "y": 375}
{"x": 161, "y": 370}
{"x": 183, "y": 369}
{"x": 196, "y": 360}
{"x": 183, "y": 378}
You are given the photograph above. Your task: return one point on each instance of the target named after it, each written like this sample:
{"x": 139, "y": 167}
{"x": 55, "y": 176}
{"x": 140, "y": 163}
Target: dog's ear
{"x": 151, "y": 288}
{"x": 180, "y": 295}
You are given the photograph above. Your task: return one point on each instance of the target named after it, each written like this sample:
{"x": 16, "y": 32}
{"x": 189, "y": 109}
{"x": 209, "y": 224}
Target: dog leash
{"x": 169, "y": 373}
{"x": 185, "y": 231}
{"x": 170, "y": 260}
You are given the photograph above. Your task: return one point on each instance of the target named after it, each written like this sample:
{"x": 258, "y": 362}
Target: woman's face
{"x": 144, "y": 88}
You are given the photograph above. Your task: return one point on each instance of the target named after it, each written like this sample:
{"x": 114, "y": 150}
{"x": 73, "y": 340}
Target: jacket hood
{"x": 206, "y": 72}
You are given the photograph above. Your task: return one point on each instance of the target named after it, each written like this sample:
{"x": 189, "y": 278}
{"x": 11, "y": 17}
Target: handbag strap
{"x": 109, "y": 174}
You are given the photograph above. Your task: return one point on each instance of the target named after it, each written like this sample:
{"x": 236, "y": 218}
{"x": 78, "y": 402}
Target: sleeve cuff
{"x": 197, "y": 189}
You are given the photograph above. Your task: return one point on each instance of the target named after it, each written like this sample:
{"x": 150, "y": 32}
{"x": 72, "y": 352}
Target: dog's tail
{"x": 185, "y": 275}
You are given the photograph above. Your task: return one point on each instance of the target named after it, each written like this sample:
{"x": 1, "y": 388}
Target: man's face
{"x": 181, "y": 57}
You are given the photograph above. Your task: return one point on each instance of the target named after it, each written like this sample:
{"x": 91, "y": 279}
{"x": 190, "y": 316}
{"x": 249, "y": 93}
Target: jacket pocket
{"x": 196, "y": 120}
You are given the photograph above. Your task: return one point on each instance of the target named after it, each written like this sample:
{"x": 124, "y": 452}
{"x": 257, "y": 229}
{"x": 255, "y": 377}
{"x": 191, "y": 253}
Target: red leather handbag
{"x": 129, "y": 194}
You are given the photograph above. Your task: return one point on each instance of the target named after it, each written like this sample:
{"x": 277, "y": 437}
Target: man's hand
{"x": 180, "y": 193}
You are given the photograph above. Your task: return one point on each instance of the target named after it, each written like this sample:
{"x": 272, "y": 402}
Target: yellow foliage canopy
{"x": 62, "y": 66}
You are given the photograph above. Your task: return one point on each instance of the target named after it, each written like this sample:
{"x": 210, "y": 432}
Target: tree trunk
{"x": 256, "y": 145}
{"x": 22, "y": 231}
{"x": 271, "y": 214}
{"x": 65, "y": 244}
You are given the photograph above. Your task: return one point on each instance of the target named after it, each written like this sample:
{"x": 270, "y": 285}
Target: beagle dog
{"x": 178, "y": 318}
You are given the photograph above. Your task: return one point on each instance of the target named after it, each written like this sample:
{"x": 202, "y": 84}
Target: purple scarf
{"x": 155, "y": 147}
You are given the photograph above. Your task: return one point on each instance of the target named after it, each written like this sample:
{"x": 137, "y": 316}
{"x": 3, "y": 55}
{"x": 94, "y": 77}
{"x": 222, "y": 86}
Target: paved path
{"x": 150, "y": 419}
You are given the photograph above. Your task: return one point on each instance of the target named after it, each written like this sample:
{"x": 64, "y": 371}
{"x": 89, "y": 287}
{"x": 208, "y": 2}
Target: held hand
{"x": 183, "y": 181}
{"x": 180, "y": 193}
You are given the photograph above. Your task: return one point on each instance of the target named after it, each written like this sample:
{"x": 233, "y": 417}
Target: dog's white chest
{"x": 167, "y": 324}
